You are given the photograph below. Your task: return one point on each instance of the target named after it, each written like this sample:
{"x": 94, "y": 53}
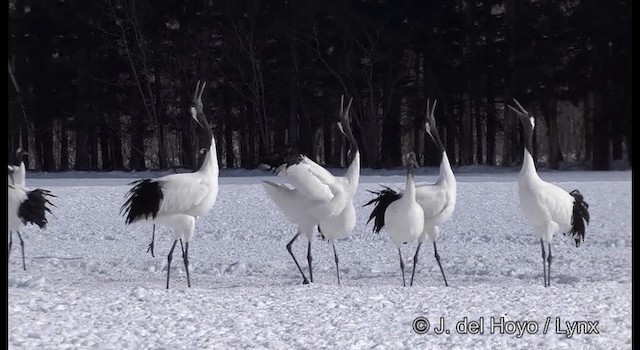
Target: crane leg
{"x": 309, "y": 259}
{"x": 304, "y": 278}
{"x": 549, "y": 262}
{"x": 169, "y": 258}
{"x": 185, "y": 257}
{"x": 10, "y": 244}
{"x": 544, "y": 264}
{"x": 402, "y": 267}
{"x": 435, "y": 250}
{"x": 181, "y": 247}
{"x": 153, "y": 238}
{"x": 335, "y": 255}
{"x": 24, "y": 266}
{"x": 415, "y": 262}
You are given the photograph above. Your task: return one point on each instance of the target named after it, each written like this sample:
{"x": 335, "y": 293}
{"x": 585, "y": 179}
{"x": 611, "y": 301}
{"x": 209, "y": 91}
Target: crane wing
{"x": 182, "y": 192}
{"x": 432, "y": 198}
{"x": 311, "y": 179}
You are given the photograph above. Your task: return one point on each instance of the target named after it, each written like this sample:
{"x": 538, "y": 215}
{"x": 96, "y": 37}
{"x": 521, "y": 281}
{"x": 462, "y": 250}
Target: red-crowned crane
{"x": 438, "y": 200}
{"x": 25, "y": 206}
{"x": 399, "y": 213}
{"x": 548, "y": 208}
{"x": 340, "y": 226}
{"x": 176, "y": 200}
{"x": 315, "y": 195}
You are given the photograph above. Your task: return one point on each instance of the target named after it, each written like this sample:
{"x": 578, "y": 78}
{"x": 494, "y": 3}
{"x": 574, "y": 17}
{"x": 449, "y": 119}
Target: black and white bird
{"x": 18, "y": 170}
{"x": 176, "y": 200}
{"x": 24, "y": 207}
{"x": 315, "y": 197}
{"x": 548, "y": 208}
{"x": 438, "y": 200}
{"x": 399, "y": 213}
{"x": 340, "y": 226}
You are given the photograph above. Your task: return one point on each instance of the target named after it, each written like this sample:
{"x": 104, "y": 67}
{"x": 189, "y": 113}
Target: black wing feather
{"x": 579, "y": 218}
{"x": 281, "y": 160}
{"x": 143, "y": 199}
{"x": 34, "y": 209}
{"x": 384, "y": 197}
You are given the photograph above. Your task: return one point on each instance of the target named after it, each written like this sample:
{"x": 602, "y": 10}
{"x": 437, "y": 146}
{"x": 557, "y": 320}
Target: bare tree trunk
{"x": 48, "y": 160}
{"x": 479, "y": 139}
{"x": 137, "y": 144}
{"x": 64, "y": 146}
{"x": 551, "y": 115}
{"x": 93, "y": 143}
{"x": 588, "y": 125}
{"x": 509, "y": 127}
{"x": 105, "y": 149}
{"x": 82, "y": 154}
{"x": 601, "y": 148}
{"x": 466, "y": 132}
{"x": 491, "y": 130}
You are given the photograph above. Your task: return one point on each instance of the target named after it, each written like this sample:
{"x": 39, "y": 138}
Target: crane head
{"x": 411, "y": 162}
{"x": 345, "y": 128}
{"x": 430, "y": 124}
{"x": 10, "y": 173}
{"x": 343, "y": 115}
{"x": 197, "y": 109}
{"x": 525, "y": 117}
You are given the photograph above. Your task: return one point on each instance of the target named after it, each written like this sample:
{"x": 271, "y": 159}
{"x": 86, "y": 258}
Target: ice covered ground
{"x": 91, "y": 284}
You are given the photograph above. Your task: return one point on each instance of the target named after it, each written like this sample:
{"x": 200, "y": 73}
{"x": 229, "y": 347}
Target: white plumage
{"x": 438, "y": 200}
{"x": 548, "y": 208}
{"x": 17, "y": 171}
{"x": 176, "y": 200}
{"x": 399, "y": 214}
{"x": 314, "y": 196}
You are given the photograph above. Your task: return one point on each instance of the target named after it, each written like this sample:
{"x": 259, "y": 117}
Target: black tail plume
{"x": 143, "y": 199}
{"x": 34, "y": 209}
{"x": 579, "y": 217}
{"x": 281, "y": 160}
{"x": 384, "y": 197}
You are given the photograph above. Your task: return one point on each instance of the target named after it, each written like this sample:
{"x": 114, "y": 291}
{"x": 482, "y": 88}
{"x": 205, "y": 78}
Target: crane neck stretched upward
{"x": 353, "y": 174}
{"x": 210, "y": 164}
{"x": 446, "y": 173}
{"x": 528, "y": 169}
{"x": 410, "y": 187}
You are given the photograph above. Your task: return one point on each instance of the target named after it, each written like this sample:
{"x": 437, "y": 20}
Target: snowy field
{"x": 90, "y": 284}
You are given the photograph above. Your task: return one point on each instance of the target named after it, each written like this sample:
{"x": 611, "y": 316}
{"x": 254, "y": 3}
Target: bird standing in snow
{"x": 399, "y": 213}
{"x": 438, "y": 200}
{"x": 25, "y": 207}
{"x": 548, "y": 208}
{"x": 176, "y": 200}
{"x": 340, "y": 226}
{"x": 316, "y": 196}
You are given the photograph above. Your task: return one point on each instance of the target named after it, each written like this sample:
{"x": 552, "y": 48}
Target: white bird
{"x": 25, "y": 206}
{"x": 176, "y": 200}
{"x": 438, "y": 200}
{"x": 315, "y": 195}
{"x": 399, "y": 213}
{"x": 18, "y": 170}
{"x": 548, "y": 208}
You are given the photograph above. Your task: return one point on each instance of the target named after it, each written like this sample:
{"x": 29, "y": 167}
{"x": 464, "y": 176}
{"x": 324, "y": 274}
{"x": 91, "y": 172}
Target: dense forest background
{"x": 106, "y": 84}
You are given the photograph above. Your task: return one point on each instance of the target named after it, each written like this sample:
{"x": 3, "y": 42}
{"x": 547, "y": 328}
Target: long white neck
{"x": 410, "y": 188}
{"x": 353, "y": 175}
{"x": 210, "y": 164}
{"x": 528, "y": 169}
{"x": 446, "y": 173}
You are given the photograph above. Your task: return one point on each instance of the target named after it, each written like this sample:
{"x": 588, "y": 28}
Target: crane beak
{"x": 194, "y": 115}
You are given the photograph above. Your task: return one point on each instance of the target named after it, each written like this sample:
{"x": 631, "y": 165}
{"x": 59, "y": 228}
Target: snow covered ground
{"x": 91, "y": 284}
